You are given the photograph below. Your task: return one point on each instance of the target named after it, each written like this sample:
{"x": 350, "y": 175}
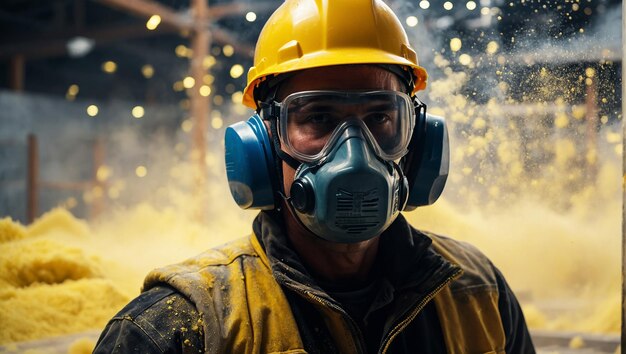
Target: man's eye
{"x": 377, "y": 118}
{"x": 319, "y": 118}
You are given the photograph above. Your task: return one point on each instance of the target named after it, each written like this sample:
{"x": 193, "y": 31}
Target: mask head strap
{"x": 270, "y": 111}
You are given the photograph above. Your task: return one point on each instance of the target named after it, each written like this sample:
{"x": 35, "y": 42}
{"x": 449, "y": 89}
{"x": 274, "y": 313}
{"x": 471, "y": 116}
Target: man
{"x": 341, "y": 146}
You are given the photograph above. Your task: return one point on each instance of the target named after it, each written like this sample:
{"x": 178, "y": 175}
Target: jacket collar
{"x": 407, "y": 259}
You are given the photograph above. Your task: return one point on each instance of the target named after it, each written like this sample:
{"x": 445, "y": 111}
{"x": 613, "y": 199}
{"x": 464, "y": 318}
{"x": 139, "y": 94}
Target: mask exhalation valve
{"x": 302, "y": 196}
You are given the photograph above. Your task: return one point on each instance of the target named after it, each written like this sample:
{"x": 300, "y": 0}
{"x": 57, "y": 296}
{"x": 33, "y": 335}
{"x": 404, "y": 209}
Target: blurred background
{"x": 112, "y": 116}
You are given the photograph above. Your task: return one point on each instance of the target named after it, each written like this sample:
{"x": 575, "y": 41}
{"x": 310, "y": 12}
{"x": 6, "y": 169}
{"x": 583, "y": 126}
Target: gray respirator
{"x": 351, "y": 195}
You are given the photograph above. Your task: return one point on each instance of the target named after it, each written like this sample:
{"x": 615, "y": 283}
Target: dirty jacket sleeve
{"x": 160, "y": 320}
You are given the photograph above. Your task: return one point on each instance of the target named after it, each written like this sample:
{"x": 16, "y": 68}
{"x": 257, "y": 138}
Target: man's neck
{"x": 331, "y": 261}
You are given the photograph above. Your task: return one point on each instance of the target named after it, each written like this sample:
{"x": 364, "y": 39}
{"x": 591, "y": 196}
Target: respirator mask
{"x": 359, "y": 158}
{"x": 344, "y": 145}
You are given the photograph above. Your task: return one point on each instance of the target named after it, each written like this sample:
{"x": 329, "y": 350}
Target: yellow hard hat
{"x": 304, "y": 34}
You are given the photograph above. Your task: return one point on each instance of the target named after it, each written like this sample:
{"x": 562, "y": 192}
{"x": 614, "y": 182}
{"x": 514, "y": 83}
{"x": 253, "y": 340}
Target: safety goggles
{"x": 310, "y": 122}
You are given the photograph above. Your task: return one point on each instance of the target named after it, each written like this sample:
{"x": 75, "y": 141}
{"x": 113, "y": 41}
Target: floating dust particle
{"x": 82, "y": 346}
{"x": 537, "y": 197}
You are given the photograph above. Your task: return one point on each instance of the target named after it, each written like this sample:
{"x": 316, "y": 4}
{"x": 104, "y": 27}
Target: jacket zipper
{"x": 404, "y": 323}
{"x": 355, "y": 327}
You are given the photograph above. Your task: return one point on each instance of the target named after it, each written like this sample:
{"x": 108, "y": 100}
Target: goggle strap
{"x": 281, "y": 154}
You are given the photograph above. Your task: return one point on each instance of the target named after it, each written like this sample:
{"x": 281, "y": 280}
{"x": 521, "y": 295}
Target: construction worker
{"x": 340, "y": 145}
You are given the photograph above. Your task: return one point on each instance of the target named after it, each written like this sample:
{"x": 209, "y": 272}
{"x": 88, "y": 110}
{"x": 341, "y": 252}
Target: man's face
{"x": 337, "y": 78}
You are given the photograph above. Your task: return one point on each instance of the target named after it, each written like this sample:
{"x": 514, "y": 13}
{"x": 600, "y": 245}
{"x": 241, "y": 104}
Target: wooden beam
{"x": 32, "y": 187}
{"x": 232, "y": 9}
{"x": 200, "y": 108}
{"x": 16, "y": 73}
{"x": 147, "y": 8}
{"x": 44, "y": 46}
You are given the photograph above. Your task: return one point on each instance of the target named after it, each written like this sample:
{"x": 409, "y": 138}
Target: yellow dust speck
{"x": 228, "y": 50}
{"x": 604, "y": 119}
{"x": 613, "y": 138}
{"x": 236, "y": 71}
{"x": 561, "y": 120}
{"x": 70, "y": 203}
{"x": 492, "y": 47}
{"x": 579, "y": 111}
{"x": 466, "y": 170}
{"x": 455, "y": 44}
{"x": 189, "y": 82}
{"x": 92, "y": 110}
{"x": 217, "y": 122}
{"x": 588, "y": 81}
{"x": 138, "y": 112}
{"x": 97, "y": 192}
{"x": 182, "y": 51}
{"x": 153, "y": 22}
{"x": 208, "y": 79}
{"x": 72, "y": 90}
{"x": 479, "y": 123}
{"x": 237, "y": 97}
{"x": 465, "y": 59}
{"x": 411, "y": 21}
{"x": 186, "y": 125}
{"x": 178, "y": 86}
{"x": 147, "y": 71}
{"x": 109, "y": 67}
{"x": 103, "y": 173}
{"x": 250, "y": 16}
{"x": 210, "y": 160}
{"x": 205, "y": 90}
{"x": 113, "y": 192}
{"x": 141, "y": 171}
{"x": 208, "y": 61}
{"x": 590, "y": 72}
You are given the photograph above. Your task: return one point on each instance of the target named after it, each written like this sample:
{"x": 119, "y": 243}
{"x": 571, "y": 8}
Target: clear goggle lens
{"x": 311, "y": 121}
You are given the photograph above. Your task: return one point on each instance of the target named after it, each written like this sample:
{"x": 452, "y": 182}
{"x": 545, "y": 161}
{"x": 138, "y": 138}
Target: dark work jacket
{"x": 434, "y": 295}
